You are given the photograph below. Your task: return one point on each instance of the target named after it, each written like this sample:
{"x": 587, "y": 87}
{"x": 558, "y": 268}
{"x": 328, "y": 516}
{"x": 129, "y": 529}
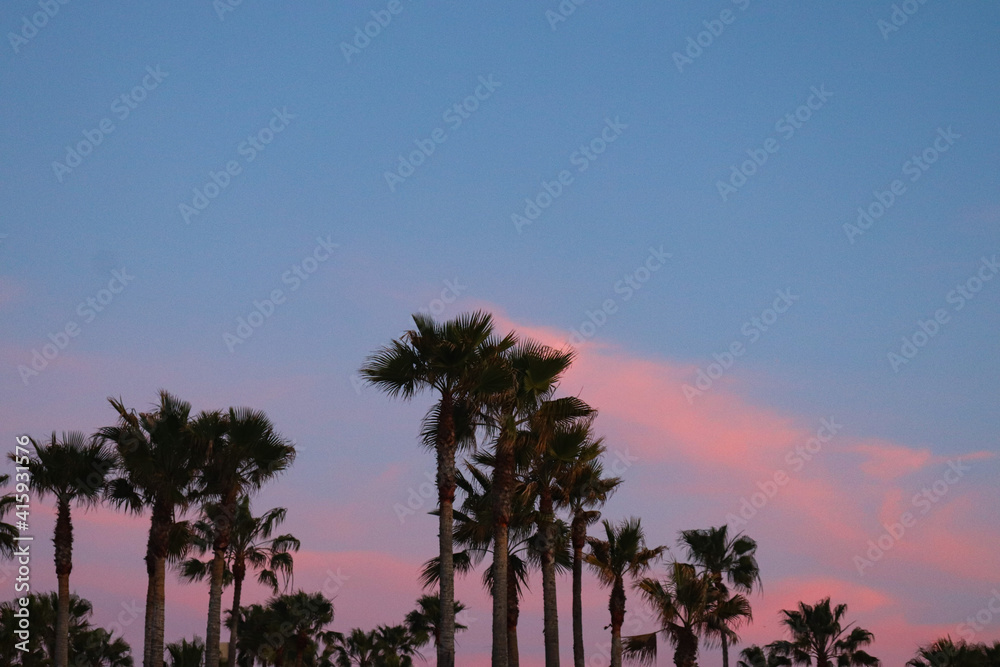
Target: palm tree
{"x": 245, "y": 453}
{"x": 250, "y": 545}
{"x": 581, "y": 489}
{"x": 532, "y": 373}
{"x": 622, "y": 554}
{"x": 396, "y": 646}
{"x": 357, "y": 647}
{"x": 159, "y": 456}
{"x": 755, "y": 656}
{"x": 458, "y": 360}
{"x": 944, "y": 652}
{"x": 88, "y": 645}
{"x": 8, "y": 533}
{"x": 727, "y": 560}
{"x": 424, "y": 622}
{"x": 73, "y": 471}
{"x": 299, "y": 620}
{"x": 818, "y": 634}
{"x": 688, "y": 605}
{"x": 474, "y": 531}
{"x": 186, "y": 653}
{"x": 255, "y": 622}
{"x": 554, "y": 444}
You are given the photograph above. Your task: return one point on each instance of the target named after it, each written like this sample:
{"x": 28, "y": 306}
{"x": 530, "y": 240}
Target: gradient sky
{"x": 447, "y": 230}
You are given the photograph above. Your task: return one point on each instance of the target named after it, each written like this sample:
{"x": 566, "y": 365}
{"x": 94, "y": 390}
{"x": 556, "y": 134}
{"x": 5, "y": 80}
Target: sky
{"x": 770, "y": 234}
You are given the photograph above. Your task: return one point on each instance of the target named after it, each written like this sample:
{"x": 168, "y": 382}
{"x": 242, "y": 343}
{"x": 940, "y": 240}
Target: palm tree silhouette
{"x": 688, "y": 605}
{"x": 73, "y": 471}
{"x": 582, "y": 489}
{"x": 458, "y": 360}
{"x": 252, "y": 546}
{"x": 731, "y": 561}
{"x": 159, "y": 456}
{"x": 623, "y": 553}
{"x": 244, "y": 453}
{"x": 818, "y": 634}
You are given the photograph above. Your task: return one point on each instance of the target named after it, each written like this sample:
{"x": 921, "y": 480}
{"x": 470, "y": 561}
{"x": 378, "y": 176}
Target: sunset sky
{"x": 773, "y": 250}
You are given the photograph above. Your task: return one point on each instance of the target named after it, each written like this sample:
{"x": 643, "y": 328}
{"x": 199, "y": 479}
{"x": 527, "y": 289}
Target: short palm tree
{"x": 623, "y": 553}
{"x": 730, "y": 560}
{"x": 458, "y": 360}
{"x": 386, "y": 646}
{"x": 298, "y": 622}
{"x": 159, "y": 456}
{"x": 688, "y": 606}
{"x": 755, "y": 656}
{"x": 88, "y": 645}
{"x": 357, "y": 648}
{"x": 946, "y": 653}
{"x": 186, "y": 653}
{"x": 8, "y": 533}
{"x": 73, "y": 471}
{"x": 424, "y": 622}
{"x": 582, "y": 489}
{"x": 245, "y": 452}
{"x": 396, "y": 646}
{"x": 250, "y": 546}
{"x": 818, "y": 634}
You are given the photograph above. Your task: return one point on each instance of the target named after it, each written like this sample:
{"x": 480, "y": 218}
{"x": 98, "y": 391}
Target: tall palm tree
{"x": 819, "y": 634}
{"x": 250, "y": 546}
{"x": 688, "y": 605}
{"x": 458, "y": 360}
{"x": 8, "y": 533}
{"x": 582, "y": 489}
{"x": 728, "y": 560}
{"x": 622, "y": 554}
{"x": 532, "y": 373}
{"x": 73, "y": 471}
{"x": 159, "y": 456}
{"x": 186, "y": 653}
{"x": 555, "y": 443}
{"x": 245, "y": 453}
{"x": 424, "y": 622}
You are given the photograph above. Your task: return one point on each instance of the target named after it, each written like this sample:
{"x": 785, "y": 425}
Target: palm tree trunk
{"x": 686, "y": 654}
{"x": 150, "y": 618}
{"x": 156, "y": 557}
{"x": 223, "y": 531}
{"x": 513, "y": 614}
{"x": 550, "y": 608}
{"x": 579, "y": 536}
{"x": 446, "y": 500}
{"x": 725, "y": 652}
{"x": 160, "y": 609}
{"x": 213, "y": 632}
{"x": 503, "y": 473}
{"x": 239, "y": 571}
{"x": 64, "y": 565}
{"x": 617, "y": 608}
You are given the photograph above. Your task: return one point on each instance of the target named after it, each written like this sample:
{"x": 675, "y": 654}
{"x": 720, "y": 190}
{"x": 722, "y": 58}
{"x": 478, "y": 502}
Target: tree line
{"x": 520, "y": 481}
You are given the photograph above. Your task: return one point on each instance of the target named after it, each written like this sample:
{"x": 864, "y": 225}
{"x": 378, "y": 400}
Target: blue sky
{"x": 323, "y": 176}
